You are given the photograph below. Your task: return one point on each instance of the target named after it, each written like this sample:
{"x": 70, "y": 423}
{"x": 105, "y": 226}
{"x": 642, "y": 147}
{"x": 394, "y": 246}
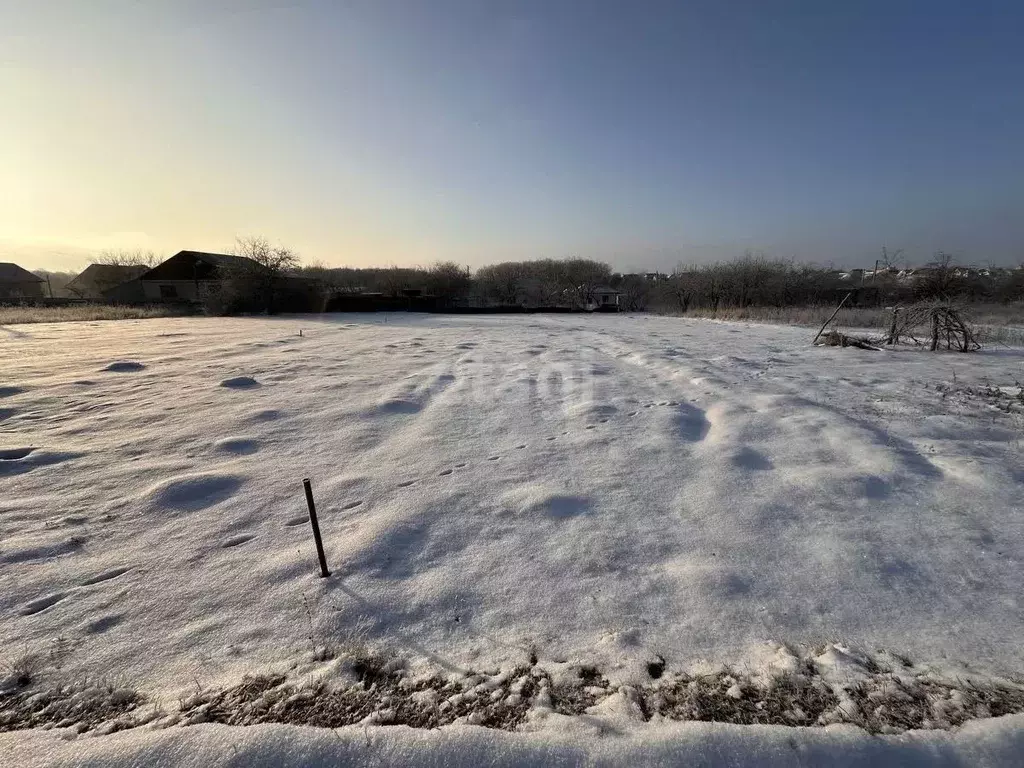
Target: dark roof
{"x": 183, "y": 265}
{"x": 216, "y": 259}
{"x": 12, "y": 273}
{"x": 109, "y": 274}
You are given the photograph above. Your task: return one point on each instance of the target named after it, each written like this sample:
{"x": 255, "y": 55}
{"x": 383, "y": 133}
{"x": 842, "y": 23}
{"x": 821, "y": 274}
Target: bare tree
{"x": 636, "y": 292}
{"x": 449, "y": 281}
{"x": 127, "y": 258}
{"x": 581, "y": 277}
{"x": 939, "y": 278}
{"x": 275, "y": 259}
{"x": 255, "y": 282}
{"x": 502, "y": 283}
{"x": 393, "y": 280}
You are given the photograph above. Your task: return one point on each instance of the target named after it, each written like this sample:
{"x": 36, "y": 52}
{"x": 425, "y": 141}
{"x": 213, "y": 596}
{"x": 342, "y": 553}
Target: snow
{"x": 993, "y": 742}
{"x": 601, "y": 489}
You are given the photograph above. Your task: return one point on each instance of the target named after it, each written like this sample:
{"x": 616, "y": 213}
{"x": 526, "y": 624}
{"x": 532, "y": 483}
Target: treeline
{"x": 756, "y": 281}
{"x": 751, "y": 281}
{"x": 567, "y": 283}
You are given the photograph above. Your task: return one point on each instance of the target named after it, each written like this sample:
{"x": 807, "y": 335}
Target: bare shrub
{"x": 20, "y": 671}
{"x": 937, "y": 322}
{"x": 255, "y": 282}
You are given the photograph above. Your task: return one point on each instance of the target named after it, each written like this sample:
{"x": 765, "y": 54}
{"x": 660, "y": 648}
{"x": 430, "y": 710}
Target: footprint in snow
{"x": 190, "y": 493}
{"x": 42, "y": 603}
{"x": 633, "y": 413}
{"x": 352, "y": 504}
{"x": 123, "y": 366}
{"x": 460, "y": 465}
{"x": 603, "y": 421}
{"x": 14, "y": 454}
{"x": 590, "y": 426}
{"x": 107, "y": 575}
{"x": 241, "y": 446}
{"x": 102, "y": 624}
{"x": 550, "y": 438}
{"x": 445, "y": 472}
{"x": 406, "y": 484}
{"x": 299, "y": 520}
{"x": 240, "y": 382}
{"x": 493, "y": 458}
{"x": 236, "y": 541}
{"x": 520, "y": 447}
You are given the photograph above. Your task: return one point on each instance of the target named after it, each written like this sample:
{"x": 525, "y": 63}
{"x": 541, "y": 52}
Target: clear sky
{"x": 643, "y": 132}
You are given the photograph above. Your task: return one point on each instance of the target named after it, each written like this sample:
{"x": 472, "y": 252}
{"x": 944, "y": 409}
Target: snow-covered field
{"x": 605, "y": 490}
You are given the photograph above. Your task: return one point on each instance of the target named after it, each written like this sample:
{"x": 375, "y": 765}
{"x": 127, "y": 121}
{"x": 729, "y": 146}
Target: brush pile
{"x": 836, "y": 339}
{"x": 936, "y": 323}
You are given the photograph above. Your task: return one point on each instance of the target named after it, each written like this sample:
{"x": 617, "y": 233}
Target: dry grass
{"x": 16, "y": 315}
{"x": 797, "y": 699}
{"x": 888, "y": 695}
{"x": 996, "y": 323}
{"x": 84, "y": 706}
{"x": 876, "y": 317}
{"x": 885, "y": 700}
{"x": 379, "y": 695}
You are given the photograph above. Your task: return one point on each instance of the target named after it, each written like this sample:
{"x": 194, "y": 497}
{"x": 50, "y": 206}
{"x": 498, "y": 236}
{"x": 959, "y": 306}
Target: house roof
{"x": 213, "y": 262}
{"x": 109, "y": 274}
{"x": 216, "y": 259}
{"x": 12, "y": 273}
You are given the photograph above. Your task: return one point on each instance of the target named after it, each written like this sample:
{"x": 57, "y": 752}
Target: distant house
{"x": 100, "y": 279}
{"x": 18, "y": 283}
{"x": 190, "y": 276}
{"x": 604, "y": 299}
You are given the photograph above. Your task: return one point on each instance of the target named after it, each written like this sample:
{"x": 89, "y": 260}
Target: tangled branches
{"x": 941, "y": 320}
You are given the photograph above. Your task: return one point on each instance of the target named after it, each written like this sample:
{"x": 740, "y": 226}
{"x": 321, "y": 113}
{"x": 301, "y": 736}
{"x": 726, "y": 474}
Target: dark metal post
{"x": 324, "y": 573}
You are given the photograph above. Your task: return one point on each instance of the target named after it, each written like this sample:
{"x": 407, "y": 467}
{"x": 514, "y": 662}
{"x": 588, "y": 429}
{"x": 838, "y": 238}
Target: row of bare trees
{"x": 541, "y": 283}
{"x": 758, "y": 281}
{"x": 262, "y": 282}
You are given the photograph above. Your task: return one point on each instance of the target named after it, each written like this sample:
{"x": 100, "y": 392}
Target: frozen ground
{"x": 606, "y": 490}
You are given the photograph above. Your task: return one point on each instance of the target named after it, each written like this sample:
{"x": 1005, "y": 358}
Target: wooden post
{"x": 324, "y": 573}
{"x": 935, "y": 329}
{"x": 892, "y": 328}
{"x": 822, "y": 330}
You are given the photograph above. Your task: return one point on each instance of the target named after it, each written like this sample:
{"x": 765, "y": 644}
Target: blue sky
{"x": 645, "y": 133}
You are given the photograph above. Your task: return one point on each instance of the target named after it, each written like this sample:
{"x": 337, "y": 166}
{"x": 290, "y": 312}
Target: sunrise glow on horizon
{"x": 406, "y": 132}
